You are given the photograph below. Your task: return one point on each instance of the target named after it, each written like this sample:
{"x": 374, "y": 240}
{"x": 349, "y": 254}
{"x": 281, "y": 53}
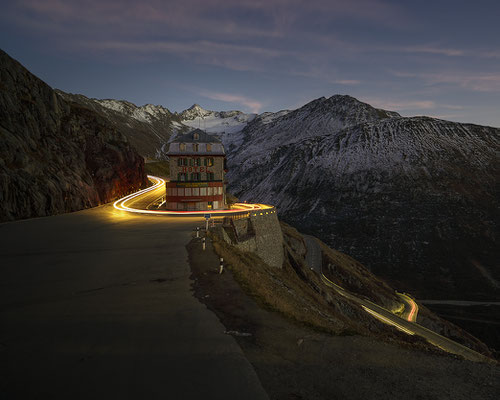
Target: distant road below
{"x": 408, "y": 325}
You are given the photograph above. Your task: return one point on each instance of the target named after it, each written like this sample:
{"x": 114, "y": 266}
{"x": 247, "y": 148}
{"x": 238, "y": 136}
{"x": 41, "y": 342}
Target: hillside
{"x": 147, "y": 127}
{"x": 298, "y": 334}
{"x": 414, "y": 199}
{"x": 57, "y": 156}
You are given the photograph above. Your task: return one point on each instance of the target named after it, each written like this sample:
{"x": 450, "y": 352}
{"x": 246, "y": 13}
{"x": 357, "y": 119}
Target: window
{"x": 209, "y": 147}
{"x": 196, "y": 136}
{"x": 209, "y": 162}
{"x": 195, "y": 176}
{"x": 182, "y": 176}
{"x": 191, "y": 162}
{"x": 180, "y": 191}
{"x": 203, "y": 191}
{"x": 210, "y": 176}
{"x": 196, "y": 191}
{"x": 195, "y": 146}
{"x": 198, "y": 162}
{"x": 182, "y": 146}
{"x": 187, "y": 191}
{"x": 179, "y": 162}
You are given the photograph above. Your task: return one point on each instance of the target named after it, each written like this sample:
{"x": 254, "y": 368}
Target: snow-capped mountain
{"x": 220, "y": 122}
{"x": 416, "y": 199}
{"x": 148, "y": 127}
{"x": 151, "y": 127}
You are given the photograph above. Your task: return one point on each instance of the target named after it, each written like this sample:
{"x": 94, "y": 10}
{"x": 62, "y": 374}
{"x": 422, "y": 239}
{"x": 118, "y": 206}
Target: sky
{"x": 438, "y": 58}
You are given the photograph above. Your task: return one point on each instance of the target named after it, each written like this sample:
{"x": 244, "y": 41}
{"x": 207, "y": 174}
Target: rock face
{"x": 57, "y": 156}
{"x": 147, "y": 127}
{"x": 413, "y": 199}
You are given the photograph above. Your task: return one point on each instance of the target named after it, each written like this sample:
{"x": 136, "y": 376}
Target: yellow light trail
{"x": 368, "y": 310}
{"x": 412, "y": 315}
{"x": 121, "y": 204}
{"x": 387, "y": 320}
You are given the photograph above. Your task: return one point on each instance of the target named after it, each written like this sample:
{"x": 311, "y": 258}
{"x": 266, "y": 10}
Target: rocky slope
{"x": 414, "y": 199}
{"x": 147, "y": 127}
{"x": 57, "y": 156}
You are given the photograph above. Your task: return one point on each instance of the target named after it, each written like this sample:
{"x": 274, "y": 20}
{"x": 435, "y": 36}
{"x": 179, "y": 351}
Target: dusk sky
{"x": 436, "y": 58}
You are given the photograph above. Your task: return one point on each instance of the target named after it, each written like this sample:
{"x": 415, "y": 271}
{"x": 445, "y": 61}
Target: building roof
{"x": 196, "y": 142}
{"x": 196, "y": 136}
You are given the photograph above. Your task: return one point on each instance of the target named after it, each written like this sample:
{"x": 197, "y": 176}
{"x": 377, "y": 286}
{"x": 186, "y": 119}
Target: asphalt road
{"x": 313, "y": 259}
{"x": 98, "y": 304}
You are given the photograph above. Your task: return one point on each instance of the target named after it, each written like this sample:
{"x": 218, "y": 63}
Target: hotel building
{"x": 197, "y": 169}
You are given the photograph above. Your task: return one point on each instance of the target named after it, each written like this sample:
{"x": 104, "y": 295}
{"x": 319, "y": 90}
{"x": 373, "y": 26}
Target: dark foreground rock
{"x": 57, "y": 156}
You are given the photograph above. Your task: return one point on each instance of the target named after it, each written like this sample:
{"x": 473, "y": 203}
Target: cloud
{"x": 409, "y": 105}
{"x": 432, "y": 50}
{"x": 403, "y": 105}
{"x": 347, "y": 81}
{"x": 478, "y": 82}
{"x": 253, "y": 105}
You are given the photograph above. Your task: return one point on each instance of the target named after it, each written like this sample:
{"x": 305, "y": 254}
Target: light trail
{"x": 412, "y": 314}
{"x": 387, "y": 321}
{"x": 159, "y": 184}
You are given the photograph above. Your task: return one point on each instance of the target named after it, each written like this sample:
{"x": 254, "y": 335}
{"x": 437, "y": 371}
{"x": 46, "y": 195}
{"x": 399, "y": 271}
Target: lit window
{"x": 209, "y": 147}
{"x": 182, "y": 146}
{"x": 198, "y": 162}
{"x": 181, "y": 176}
{"x": 196, "y": 136}
{"x": 195, "y": 146}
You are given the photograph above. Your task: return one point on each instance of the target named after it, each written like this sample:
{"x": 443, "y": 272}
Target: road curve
{"x": 406, "y": 323}
{"x": 98, "y": 304}
{"x": 139, "y": 202}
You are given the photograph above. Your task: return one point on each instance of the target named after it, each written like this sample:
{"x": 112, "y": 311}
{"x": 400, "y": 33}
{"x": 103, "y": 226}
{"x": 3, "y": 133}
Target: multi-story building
{"x": 197, "y": 169}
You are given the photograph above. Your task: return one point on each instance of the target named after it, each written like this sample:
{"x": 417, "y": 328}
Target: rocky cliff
{"x": 55, "y": 155}
{"x": 148, "y": 127}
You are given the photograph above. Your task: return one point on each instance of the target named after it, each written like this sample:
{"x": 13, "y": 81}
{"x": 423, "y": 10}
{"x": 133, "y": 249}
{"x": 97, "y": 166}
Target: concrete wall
{"x": 260, "y": 233}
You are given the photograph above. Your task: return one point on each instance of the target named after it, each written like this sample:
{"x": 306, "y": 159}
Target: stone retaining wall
{"x": 258, "y": 233}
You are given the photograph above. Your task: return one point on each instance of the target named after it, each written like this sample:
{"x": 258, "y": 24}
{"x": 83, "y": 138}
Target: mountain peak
{"x": 196, "y": 107}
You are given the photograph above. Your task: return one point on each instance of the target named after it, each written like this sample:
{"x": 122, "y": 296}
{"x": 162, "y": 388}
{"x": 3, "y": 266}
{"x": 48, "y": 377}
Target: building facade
{"x": 197, "y": 170}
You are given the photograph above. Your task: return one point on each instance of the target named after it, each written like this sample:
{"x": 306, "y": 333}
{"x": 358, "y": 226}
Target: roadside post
{"x": 221, "y": 267}
{"x": 197, "y": 231}
{"x": 207, "y": 218}
{"x": 203, "y": 242}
